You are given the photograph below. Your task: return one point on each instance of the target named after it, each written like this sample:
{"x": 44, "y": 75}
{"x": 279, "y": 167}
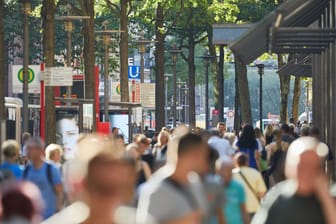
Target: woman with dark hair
{"x": 248, "y": 144}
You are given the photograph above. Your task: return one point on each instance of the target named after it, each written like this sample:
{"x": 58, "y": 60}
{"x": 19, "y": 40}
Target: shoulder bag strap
{"x": 186, "y": 194}
{"x": 249, "y": 185}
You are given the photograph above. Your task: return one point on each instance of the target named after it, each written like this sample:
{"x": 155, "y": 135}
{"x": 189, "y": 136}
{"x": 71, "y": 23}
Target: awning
{"x": 301, "y": 65}
{"x": 298, "y": 13}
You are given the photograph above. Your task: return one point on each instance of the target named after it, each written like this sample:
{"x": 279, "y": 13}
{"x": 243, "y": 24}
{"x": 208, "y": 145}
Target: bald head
{"x": 304, "y": 162}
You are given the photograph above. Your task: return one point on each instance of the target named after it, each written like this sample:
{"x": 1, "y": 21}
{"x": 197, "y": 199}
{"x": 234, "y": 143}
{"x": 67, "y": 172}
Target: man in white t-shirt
{"x": 221, "y": 145}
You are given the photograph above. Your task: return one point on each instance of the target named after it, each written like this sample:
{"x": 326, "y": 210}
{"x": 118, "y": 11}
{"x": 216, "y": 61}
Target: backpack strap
{"x": 25, "y": 171}
{"x": 49, "y": 173}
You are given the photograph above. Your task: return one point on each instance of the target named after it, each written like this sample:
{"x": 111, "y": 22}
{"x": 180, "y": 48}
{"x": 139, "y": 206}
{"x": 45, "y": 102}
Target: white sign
{"x": 33, "y": 78}
{"x": 58, "y": 76}
{"x": 230, "y": 123}
{"x": 230, "y": 113}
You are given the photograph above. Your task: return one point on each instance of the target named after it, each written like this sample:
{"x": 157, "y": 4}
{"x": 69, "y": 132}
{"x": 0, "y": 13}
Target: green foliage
{"x": 253, "y": 10}
{"x": 13, "y": 29}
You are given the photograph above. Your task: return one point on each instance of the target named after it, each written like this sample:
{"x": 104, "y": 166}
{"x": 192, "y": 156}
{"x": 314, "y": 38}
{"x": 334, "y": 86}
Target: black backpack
{"x": 49, "y": 175}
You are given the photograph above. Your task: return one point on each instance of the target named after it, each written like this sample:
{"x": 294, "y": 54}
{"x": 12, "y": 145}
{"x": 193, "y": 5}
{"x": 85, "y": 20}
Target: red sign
{"x": 103, "y": 127}
{"x": 79, "y": 77}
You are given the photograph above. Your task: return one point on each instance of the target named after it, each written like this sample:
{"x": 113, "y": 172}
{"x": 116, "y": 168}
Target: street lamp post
{"x": 185, "y": 104}
{"x": 106, "y": 41}
{"x": 179, "y": 101}
{"x": 180, "y": 107}
{"x": 26, "y": 5}
{"x": 260, "y": 72}
{"x": 166, "y": 97}
{"x": 206, "y": 60}
{"x": 174, "y": 53}
{"x": 69, "y": 27}
{"x": 142, "y": 42}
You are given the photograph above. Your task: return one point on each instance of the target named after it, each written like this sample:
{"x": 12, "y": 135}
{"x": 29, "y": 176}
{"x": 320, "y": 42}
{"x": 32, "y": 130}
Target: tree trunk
{"x": 159, "y": 70}
{"x": 2, "y": 69}
{"x": 244, "y": 93}
{"x": 284, "y": 90}
{"x": 124, "y": 91}
{"x": 218, "y": 75}
{"x": 296, "y": 98}
{"x": 48, "y": 27}
{"x": 191, "y": 70}
{"x": 237, "y": 117}
{"x": 89, "y": 53}
{"x": 220, "y": 81}
{"x": 214, "y": 67}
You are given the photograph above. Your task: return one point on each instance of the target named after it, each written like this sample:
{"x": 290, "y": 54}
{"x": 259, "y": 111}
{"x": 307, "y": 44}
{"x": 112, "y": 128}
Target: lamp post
{"x": 69, "y": 27}
{"x": 180, "y": 107}
{"x": 206, "y": 60}
{"x": 166, "y": 96}
{"x": 307, "y": 101}
{"x": 174, "y": 53}
{"x": 185, "y": 104}
{"x": 142, "y": 42}
{"x": 260, "y": 72}
{"x": 26, "y": 6}
{"x": 106, "y": 42}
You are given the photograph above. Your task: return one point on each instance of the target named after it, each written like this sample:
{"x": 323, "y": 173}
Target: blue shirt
{"x": 235, "y": 197}
{"x": 251, "y": 154}
{"x": 40, "y": 178}
{"x": 14, "y": 168}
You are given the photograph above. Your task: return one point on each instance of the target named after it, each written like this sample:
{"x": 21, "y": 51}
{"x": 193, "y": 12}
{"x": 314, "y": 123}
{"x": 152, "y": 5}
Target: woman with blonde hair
{"x": 160, "y": 149}
{"x": 143, "y": 169}
{"x": 268, "y": 134}
{"x": 53, "y": 154}
{"x": 11, "y": 151}
{"x": 276, "y": 156}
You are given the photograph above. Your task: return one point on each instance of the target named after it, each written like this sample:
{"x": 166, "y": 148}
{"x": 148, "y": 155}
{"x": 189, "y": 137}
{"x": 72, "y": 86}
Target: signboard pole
{"x": 25, "y": 117}
{"x": 42, "y": 112}
{"x": 97, "y": 103}
{"x": 133, "y": 91}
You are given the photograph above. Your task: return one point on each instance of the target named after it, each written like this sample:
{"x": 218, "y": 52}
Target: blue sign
{"x": 134, "y": 72}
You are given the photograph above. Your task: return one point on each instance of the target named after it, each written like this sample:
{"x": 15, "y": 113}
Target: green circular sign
{"x": 31, "y": 75}
{"x": 118, "y": 89}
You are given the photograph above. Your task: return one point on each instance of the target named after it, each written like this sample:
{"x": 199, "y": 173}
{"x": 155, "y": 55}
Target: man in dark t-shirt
{"x": 286, "y": 137}
{"x": 304, "y": 197}
{"x": 280, "y": 208}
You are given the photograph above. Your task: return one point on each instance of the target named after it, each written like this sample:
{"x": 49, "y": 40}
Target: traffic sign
{"x": 58, "y": 76}
{"x": 33, "y": 78}
{"x": 118, "y": 89}
{"x": 134, "y": 72}
{"x": 31, "y": 75}
{"x": 230, "y": 113}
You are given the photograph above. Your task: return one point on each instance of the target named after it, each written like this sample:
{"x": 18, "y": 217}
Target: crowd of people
{"x": 176, "y": 176}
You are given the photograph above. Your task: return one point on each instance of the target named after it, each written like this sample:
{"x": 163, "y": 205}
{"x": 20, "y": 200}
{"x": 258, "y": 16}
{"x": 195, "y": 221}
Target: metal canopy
{"x": 301, "y": 40}
{"x": 298, "y": 13}
{"x": 225, "y": 34}
{"x": 301, "y": 65}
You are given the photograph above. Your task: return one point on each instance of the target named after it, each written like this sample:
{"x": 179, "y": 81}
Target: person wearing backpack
{"x": 10, "y": 169}
{"x": 45, "y": 176}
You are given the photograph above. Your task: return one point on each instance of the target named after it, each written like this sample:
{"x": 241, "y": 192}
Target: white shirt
{"x": 222, "y": 146}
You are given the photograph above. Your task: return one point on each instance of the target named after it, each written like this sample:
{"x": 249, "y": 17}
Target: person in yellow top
{"x": 252, "y": 181}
